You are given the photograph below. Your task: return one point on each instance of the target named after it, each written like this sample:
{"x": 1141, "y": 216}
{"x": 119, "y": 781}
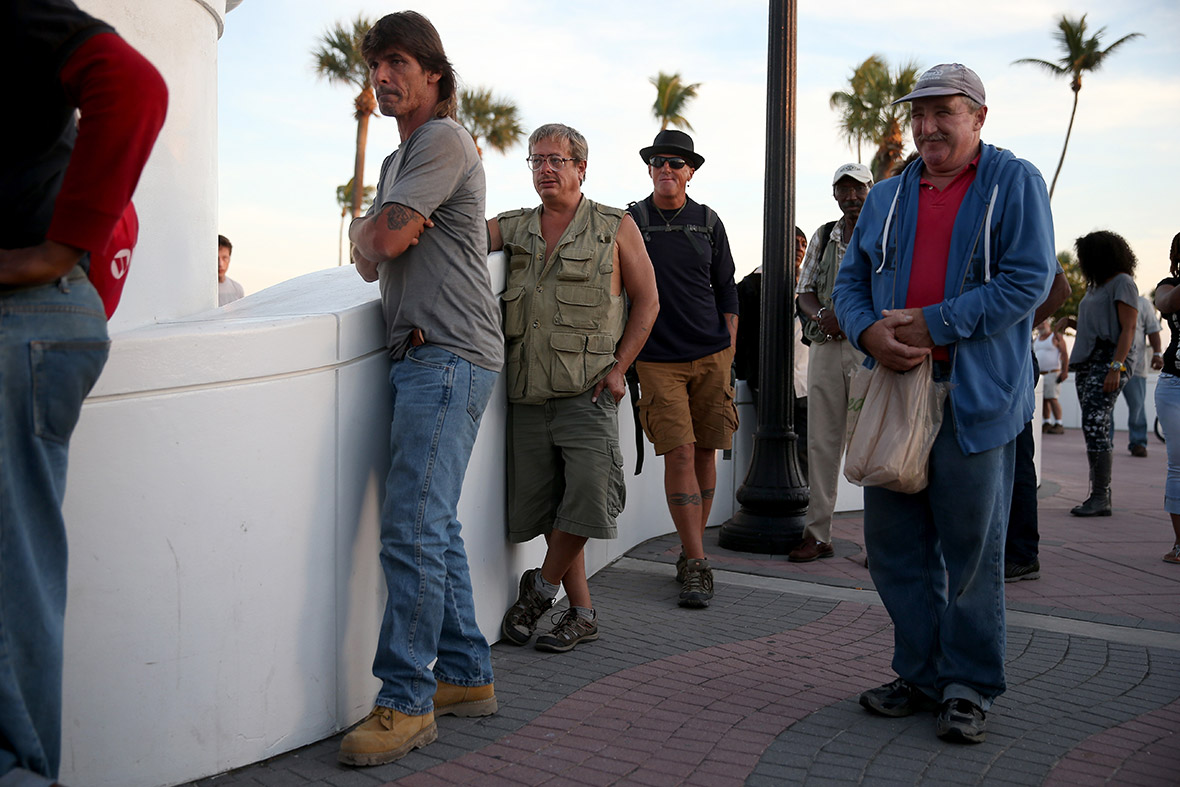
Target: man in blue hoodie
{"x": 950, "y": 259}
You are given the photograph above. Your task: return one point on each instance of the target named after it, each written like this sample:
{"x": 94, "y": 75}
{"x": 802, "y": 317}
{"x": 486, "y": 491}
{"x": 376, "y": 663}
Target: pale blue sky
{"x": 287, "y": 139}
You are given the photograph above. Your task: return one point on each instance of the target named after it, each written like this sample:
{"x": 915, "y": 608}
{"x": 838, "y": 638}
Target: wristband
{"x": 819, "y": 315}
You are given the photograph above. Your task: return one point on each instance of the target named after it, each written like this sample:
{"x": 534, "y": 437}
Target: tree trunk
{"x": 340, "y": 240}
{"x": 1068, "y": 131}
{"x": 365, "y": 102}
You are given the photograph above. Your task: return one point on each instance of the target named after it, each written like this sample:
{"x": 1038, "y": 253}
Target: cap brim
{"x": 928, "y": 92}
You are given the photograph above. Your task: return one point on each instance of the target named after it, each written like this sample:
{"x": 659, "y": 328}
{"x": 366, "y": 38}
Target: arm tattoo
{"x": 707, "y": 494}
{"x": 684, "y": 499}
{"x": 398, "y": 217}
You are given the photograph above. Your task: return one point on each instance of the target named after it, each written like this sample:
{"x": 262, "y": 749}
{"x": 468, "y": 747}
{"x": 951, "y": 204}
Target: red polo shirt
{"x": 932, "y": 242}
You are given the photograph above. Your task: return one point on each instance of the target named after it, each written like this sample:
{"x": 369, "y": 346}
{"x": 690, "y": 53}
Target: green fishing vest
{"x": 561, "y": 323}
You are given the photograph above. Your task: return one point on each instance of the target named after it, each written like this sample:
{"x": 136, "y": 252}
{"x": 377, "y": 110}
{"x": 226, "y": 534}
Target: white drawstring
{"x": 987, "y": 236}
{"x": 885, "y": 234}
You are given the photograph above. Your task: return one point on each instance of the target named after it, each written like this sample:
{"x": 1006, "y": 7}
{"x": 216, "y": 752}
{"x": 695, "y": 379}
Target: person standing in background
{"x": 228, "y": 290}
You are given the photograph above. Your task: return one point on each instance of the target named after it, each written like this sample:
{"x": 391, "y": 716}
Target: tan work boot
{"x": 464, "y": 701}
{"x": 386, "y": 735}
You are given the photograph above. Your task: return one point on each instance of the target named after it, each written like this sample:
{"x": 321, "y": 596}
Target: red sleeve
{"x": 122, "y": 100}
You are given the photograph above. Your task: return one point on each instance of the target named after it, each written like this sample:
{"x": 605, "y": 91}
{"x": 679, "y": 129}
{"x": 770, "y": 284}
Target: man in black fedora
{"x": 687, "y": 408}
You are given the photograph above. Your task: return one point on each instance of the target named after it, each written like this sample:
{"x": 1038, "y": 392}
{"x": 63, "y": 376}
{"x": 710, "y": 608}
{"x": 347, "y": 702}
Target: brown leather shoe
{"x": 386, "y": 735}
{"x": 810, "y": 550}
{"x": 464, "y": 701}
{"x": 1138, "y": 450}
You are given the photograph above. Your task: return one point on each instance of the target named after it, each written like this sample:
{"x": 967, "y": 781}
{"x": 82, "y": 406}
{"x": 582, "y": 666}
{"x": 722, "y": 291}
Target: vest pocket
{"x": 568, "y": 373}
{"x": 576, "y": 264}
{"x": 514, "y": 316}
{"x": 578, "y": 307}
{"x": 518, "y": 257}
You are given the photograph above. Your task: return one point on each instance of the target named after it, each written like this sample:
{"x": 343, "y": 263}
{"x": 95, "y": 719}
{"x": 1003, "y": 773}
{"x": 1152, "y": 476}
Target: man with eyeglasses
{"x": 424, "y": 240}
{"x": 573, "y": 266}
{"x": 949, "y": 261}
{"x": 830, "y": 361}
{"x": 687, "y": 405}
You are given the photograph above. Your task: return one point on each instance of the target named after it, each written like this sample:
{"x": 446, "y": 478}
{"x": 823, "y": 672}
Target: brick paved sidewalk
{"x": 761, "y": 688}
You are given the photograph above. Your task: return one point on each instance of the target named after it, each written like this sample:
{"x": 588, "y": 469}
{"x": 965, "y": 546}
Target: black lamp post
{"x": 773, "y": 497}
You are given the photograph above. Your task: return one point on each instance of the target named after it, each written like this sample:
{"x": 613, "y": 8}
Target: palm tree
{"x": 1079, "y": 55}
{"x": 494, "y": 120}
{"x": 672, "y": 97}
{"x": 344, "y": 197}
{"x": 338, "y": 59}
{"x": 867, "y": 112}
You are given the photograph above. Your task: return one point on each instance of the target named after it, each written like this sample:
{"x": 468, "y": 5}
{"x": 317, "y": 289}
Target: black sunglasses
{"x": 660, "y": 161}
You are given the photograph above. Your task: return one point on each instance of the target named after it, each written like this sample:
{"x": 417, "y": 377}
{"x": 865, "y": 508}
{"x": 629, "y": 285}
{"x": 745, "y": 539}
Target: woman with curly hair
{"x": 1103, "y": 351}
{"x": 1167, "y": 393}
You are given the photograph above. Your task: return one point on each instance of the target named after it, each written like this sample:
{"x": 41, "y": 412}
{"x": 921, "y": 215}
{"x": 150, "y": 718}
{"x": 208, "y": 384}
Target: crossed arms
{"x": 384, "y": 236}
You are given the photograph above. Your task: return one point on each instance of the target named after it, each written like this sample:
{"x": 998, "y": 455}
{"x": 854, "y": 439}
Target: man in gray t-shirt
{"x": 425, "y": 239}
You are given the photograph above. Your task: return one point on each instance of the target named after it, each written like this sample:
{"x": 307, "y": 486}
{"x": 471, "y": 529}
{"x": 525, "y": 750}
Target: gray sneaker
{"x": 697, "y": 588}
{"x": 961, "y": 721}
{"x": 521, "y": 618}
{"x": 570, "y": 630}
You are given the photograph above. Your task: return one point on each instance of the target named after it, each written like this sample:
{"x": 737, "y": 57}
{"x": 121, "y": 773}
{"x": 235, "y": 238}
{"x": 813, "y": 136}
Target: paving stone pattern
{"x": 761, "y": 688}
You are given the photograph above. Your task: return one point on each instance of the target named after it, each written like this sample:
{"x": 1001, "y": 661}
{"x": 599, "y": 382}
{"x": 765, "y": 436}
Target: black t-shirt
{"x": 695, "y": 284}
{"x": 1173, "y": 321}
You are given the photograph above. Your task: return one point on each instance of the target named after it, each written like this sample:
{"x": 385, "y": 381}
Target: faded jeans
{"x": 53, "y": 345}
{"x": 438, "y": 401}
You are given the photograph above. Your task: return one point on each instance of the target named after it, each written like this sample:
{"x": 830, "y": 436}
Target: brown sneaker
{"x": 810, "y": 550}
{"x": 1057, "y": 429}
{"x": 571, "y": 629}
{"x": 386, "y": 735}
{"x": 697, "y": 589}
{"x": 1139, "y": 450}
{"x": 464, "y": 701}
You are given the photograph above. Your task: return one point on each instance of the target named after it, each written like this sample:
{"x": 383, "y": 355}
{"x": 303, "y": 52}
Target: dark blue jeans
{"x": 1021, "y": 545}
{"x": 937, "y": 561}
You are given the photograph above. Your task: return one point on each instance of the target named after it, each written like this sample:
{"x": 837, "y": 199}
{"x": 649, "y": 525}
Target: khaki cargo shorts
{"x": 688, "y": 402}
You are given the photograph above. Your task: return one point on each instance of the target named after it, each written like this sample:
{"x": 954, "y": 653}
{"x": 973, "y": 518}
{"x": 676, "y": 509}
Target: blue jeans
{"x": 937, "y": 561}
{"x": 1135, "y": 395}
{"x": 53, "y": 344}
{"x": 1167, "y": 407}
{"x": 438, "y": 400}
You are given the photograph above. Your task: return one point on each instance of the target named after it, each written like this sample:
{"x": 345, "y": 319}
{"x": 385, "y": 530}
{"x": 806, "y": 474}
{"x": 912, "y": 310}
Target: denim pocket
{"x": 479, "y": 393}
{"x": 63, "y": 374}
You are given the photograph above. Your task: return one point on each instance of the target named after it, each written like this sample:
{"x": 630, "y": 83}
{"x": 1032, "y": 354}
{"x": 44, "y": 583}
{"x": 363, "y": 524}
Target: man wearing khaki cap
{"x": 949, "y": 260}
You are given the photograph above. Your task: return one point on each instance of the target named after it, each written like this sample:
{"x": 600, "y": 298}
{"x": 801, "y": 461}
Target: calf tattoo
{"x": 684, "y": 499}
{"x": 707, "y": 494}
